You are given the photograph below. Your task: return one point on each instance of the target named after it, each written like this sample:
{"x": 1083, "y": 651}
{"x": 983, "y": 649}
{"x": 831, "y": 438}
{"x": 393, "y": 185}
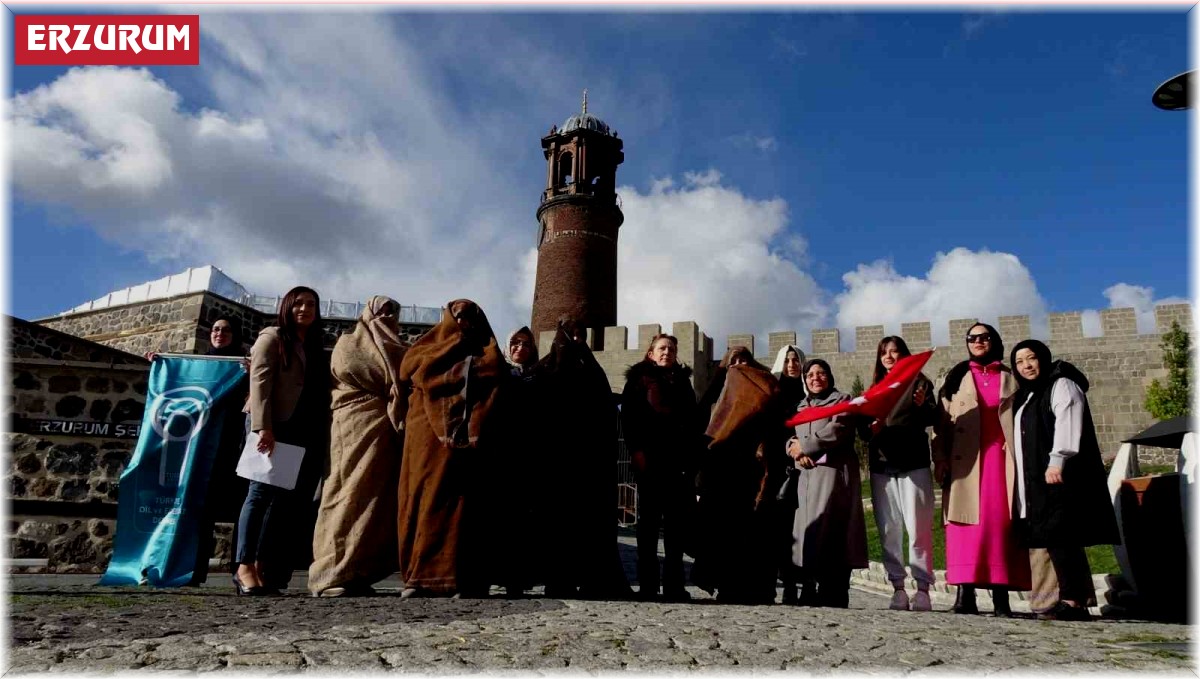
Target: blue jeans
{"x": 254, "y": 523}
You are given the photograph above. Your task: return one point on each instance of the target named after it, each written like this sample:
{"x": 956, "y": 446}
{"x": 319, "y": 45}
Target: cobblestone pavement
{"x": 68, "y": 624}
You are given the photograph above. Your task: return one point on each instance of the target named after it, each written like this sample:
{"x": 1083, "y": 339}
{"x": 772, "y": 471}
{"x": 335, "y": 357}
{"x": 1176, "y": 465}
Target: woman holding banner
{"x": 974, "y": 459}
{"x": 354, "y": 545}
{"x": 289, "y": 403}
{"x": 828, "y": 531}
{"x": 224, "y": 485}
{"x": 901, "y": 484}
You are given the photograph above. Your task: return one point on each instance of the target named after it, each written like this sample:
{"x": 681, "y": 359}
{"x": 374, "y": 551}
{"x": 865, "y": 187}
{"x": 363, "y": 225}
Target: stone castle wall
{"x": 73, "y": 408}
{"x": 1119, "y": 364}
{"x": 182, "y": 324}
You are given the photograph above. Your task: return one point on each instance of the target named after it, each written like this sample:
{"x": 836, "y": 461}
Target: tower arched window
{"x": 565, "y": 167}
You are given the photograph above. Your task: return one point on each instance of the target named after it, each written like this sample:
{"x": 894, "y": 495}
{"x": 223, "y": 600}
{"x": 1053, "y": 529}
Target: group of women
{"x": 1015, "y": 455}
{"x": 422, "y": 459}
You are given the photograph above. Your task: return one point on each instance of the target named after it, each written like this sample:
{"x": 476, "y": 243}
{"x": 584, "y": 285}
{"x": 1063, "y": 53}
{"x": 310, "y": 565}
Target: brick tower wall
{"x": 577, "y": 263}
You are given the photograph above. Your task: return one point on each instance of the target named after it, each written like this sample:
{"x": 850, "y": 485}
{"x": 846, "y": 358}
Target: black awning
{"x": 1165, "y": 434}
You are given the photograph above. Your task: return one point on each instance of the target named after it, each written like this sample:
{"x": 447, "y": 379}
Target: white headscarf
{"x": 517, "y": 367}
{"x": 781, "y": 358}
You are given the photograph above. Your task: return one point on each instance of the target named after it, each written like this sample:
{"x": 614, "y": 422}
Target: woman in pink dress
{"x": 974, "y": 460}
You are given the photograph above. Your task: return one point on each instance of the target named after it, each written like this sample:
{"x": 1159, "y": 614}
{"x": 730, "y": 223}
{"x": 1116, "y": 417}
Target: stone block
{"x": 1118, "y": 322}
{"x": 744, "y": 340}
{"x": 1066, "y": 326}
{"x": 1165, "y": 313}
{"x": 826, "y": 341}
{"x": 958, "y": 330}
{"x": 866, "y": 337}
{"x": 69, "y": 406}
{"x": 918, "y": 336}
{"x": 646, "y": 333}
{"x": 688, "y": 334}
{"x": 616, "y": 339}
{"x": 64, "y": 384}
{"x": 1014, "y": 329}
{"x": 777, "y": 341}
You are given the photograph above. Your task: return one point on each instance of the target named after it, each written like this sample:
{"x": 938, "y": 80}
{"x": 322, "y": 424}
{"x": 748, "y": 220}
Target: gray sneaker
{"x": 899, "y": 601}
{"x": 920, "y": 601}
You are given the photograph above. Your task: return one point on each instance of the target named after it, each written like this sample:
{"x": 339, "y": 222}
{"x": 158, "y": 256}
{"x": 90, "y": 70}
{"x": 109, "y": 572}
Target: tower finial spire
{"x": 585, "y": 101}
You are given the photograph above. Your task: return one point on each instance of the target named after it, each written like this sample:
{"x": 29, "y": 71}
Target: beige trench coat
{"x": 956, "y": 440}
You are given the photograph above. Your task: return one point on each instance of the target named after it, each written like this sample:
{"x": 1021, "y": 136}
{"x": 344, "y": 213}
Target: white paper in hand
{"x": 281, "y": 468}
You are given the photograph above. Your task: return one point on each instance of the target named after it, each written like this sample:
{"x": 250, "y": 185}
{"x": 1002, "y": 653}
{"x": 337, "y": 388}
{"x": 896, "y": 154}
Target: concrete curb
{"x": 874, "y": 579}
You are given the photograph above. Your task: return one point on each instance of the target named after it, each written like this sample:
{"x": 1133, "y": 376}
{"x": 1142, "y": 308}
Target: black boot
{"x": 1000, "y": 603}
{"x": 964, "y": 600}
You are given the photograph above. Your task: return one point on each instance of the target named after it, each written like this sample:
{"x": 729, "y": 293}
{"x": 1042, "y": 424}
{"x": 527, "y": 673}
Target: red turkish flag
{"x": 879, "y": 400}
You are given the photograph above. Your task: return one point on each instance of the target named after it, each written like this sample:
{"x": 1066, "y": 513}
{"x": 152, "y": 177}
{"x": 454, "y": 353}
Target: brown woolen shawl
{"x": 452, "y": 376}
{"x": 745, "y": 411}
{"x": 355, "y": 536}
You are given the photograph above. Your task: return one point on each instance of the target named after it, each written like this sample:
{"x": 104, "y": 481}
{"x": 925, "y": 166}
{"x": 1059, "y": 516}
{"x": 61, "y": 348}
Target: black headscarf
{"x": 1045, "y": 369}
{"x": 234, "y": 348}
{"x": 996, "y": 353}
{"x": 957, "y": 373}
{"x": 828, "y": 371}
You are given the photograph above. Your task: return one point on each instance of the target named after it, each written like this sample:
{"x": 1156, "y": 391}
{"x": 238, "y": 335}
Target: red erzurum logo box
{"x": 106, "y": 39}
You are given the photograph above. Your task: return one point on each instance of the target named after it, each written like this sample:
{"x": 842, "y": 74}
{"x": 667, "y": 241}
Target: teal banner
{"x": 164, "y": 486}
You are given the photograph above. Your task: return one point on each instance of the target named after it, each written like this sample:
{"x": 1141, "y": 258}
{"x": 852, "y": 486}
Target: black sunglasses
{"x": 981, "y": 337}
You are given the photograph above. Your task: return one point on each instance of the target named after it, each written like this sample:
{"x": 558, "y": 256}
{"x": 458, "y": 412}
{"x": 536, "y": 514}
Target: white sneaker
{"x": 920, "y": 601}
{"x": 899, "y": 601}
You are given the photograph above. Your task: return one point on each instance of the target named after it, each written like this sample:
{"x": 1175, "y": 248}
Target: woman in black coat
{"x": 1064, "y": 499}
{"x": 658, "y": 417}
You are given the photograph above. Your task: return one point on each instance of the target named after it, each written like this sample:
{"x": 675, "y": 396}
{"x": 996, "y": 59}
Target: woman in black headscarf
{"x": 974, "y": 460}
{"x": 1064, "y": 501}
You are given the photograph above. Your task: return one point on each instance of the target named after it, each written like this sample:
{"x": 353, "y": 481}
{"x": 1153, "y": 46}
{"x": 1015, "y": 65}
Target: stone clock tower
{"x": 579, "y": 217}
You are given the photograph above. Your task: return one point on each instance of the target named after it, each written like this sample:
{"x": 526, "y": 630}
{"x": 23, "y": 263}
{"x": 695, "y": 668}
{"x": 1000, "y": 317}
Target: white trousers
{"x": 905, "y": 502}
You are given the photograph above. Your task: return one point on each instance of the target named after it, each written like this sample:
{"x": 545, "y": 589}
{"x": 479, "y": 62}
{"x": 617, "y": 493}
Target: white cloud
{"x": 1123, "y": 296}
{"x": 706, "y": 252}
{"x": 355, "y": 175}
{"x": 960, "y": 284}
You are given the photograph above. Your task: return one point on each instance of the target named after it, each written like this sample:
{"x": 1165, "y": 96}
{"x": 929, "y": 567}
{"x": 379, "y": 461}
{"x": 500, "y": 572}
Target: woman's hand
{"x": 793, "y": 447}
{"x": 246, "y": 363}
{"x": 805, "y": 461}
{"x": 941, "y": 470}
{"x": 150, "y": 356}
{"x": 919, "y": 396}
{"x": 1053, "y": 475}
{"x": 266, "y": 442}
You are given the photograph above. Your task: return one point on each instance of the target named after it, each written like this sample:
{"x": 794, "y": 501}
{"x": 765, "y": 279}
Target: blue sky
{"x": 784, "y": 170}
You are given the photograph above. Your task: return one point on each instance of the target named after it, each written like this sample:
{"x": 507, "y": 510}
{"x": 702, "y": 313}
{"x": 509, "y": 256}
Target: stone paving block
{"x": 293, "y": 659}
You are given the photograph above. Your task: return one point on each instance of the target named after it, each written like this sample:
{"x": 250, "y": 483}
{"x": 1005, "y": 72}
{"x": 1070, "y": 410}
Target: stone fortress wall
{"x": 182, "y": 324}
{"x": 77, "y": 389}
{"x": 1120, "y": 363}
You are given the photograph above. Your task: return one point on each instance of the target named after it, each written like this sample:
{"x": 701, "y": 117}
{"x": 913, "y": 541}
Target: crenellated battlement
{"x": 1120, "y": 362}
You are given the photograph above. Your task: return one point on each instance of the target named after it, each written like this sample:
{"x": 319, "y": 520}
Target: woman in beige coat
{"x": 354, "y": 545}
{"x": 974, "y": 459}
{"x": 289, "y": 402}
